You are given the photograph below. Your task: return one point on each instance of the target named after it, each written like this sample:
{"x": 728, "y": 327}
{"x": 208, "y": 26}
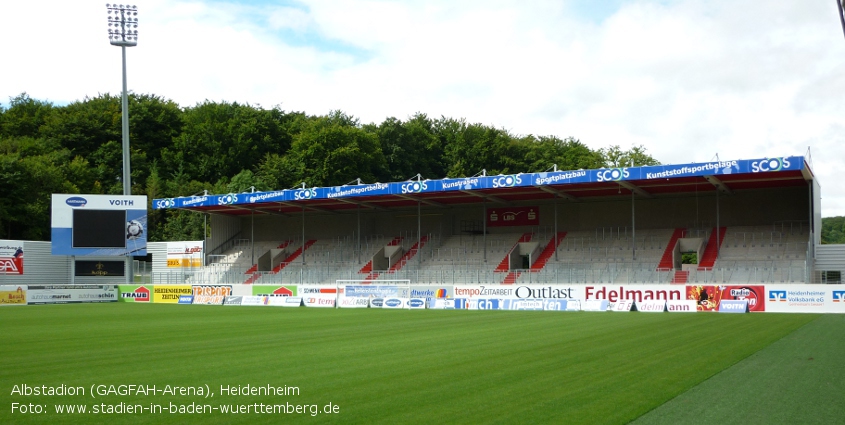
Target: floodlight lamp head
{"x": 123, "y": 24}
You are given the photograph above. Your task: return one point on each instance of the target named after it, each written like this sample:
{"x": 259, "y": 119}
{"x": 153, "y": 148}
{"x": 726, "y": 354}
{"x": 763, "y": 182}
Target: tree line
{"x": 225, "y": 147}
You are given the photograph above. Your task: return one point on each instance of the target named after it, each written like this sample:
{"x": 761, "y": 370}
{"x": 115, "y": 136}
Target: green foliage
{"x": 223, "y": 147}
{"x": 833, "y": 230}
{"x": 689, "y": 258}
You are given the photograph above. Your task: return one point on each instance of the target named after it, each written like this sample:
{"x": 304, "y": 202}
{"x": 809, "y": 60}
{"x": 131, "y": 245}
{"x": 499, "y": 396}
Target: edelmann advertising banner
{"x": 170, "y": 294}
{"x": 12, "y": 295}
{"x": 11, "y": 257}
{"x": 63, "y": 294}
{"x": 812, "y": 298}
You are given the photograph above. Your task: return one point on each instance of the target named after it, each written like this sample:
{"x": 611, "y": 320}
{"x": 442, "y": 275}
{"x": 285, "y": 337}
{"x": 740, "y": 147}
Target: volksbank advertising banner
{"x": 12, "y": 295}
{"x": 805, "y": 298}
{"x": 63, "y": 294}
{"x": 760, "y": 165}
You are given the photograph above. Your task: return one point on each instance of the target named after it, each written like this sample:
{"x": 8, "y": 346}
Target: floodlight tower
{"x": 123, "y": 32}
{"x": 841, "y": 6}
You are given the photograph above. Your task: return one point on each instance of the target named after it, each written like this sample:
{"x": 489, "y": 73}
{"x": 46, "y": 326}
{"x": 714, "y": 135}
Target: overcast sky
{"x": 686, "y": 79}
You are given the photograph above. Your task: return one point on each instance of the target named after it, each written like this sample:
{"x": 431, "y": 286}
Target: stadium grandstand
{"x": 739, "y": 221}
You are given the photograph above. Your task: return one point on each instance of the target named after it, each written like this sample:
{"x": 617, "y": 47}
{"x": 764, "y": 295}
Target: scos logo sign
{"x": 414, "y": 187}
{"x": 507, "y": 181}
{"x": 76, "y": 201}
{"x": 227, "y": 199}
{"x": 612, "y": 174}
{"x": 771, "y": 164}
{"x": 301, "y": 194}
{"x": 166, "y": 203}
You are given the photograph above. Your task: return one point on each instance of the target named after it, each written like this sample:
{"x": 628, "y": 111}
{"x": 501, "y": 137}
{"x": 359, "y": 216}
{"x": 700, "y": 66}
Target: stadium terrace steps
{"x": 708, "y": 258}
{"x": 666, "y": 263}
{"x": 368, "y": 268}
{"x": 505, "y": 264}
{"x": 293, "y": 256}
{"x": 408, "y": 255}
{"x": 548, "y": 252}
{"x": 680, "y": 276}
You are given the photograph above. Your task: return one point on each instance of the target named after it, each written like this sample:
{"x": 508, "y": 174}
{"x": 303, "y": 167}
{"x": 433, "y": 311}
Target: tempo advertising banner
{"x": 170, "y": 293}
{"x": 558, "y": 292}
{"x": 211, "y": 294}
{"x": 64, "y": 294}
{"x": 134, "y": 293}
{"x": 319, "y": 300}
{"x": 184, "y": 254}
{"x": 12, "y": 295}
{"x": 813, "y": 298}
{"x": 708, "y": 297}
{"x": 11, "y": 257}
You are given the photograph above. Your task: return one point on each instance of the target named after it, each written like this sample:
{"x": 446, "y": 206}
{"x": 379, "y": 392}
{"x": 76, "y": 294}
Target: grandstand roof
{"x": 573, "y": 185}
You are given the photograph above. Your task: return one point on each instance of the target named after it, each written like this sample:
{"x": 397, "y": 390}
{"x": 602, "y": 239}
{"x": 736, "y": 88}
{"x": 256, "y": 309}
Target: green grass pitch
{"x": 421, "y": 366}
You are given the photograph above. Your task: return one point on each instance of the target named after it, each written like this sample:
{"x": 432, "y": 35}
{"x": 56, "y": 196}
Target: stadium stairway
{"x": 293, "y": 256}
{"x": 666, "y": 263}
{"x": 368, "y": 268}
{"x": 253, "y": 271}
{"x": 680, "y": 277}
{"x": 505, "y": 264}
{"x": 547, "y": 252}
{"x": 408, "y": 255}
{"x": 708, "y": 258}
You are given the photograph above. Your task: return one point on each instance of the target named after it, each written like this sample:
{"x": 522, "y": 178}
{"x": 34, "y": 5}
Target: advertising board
{"x": 708, "y": 297}
{"x": 184, "y": 254}
{"x": 11, "y": 257}
{"x": 284, "y": 301}
{"x": 98, "y": 225}
{"x": 12, "y": 295}
{"x": 210, "y": 294}
{"x": 170, "y": 293}
{"x": 353, "y": 302}
{"x": 134, "y": 293}
{"x": 63, "y": 294}
{"x": 650, "y": 306}
{"x": 733, "y": 306}
{"x": 814, "y": 298}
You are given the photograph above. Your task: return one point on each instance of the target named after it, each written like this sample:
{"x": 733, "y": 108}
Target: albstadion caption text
{"x": 178, "y": 399}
